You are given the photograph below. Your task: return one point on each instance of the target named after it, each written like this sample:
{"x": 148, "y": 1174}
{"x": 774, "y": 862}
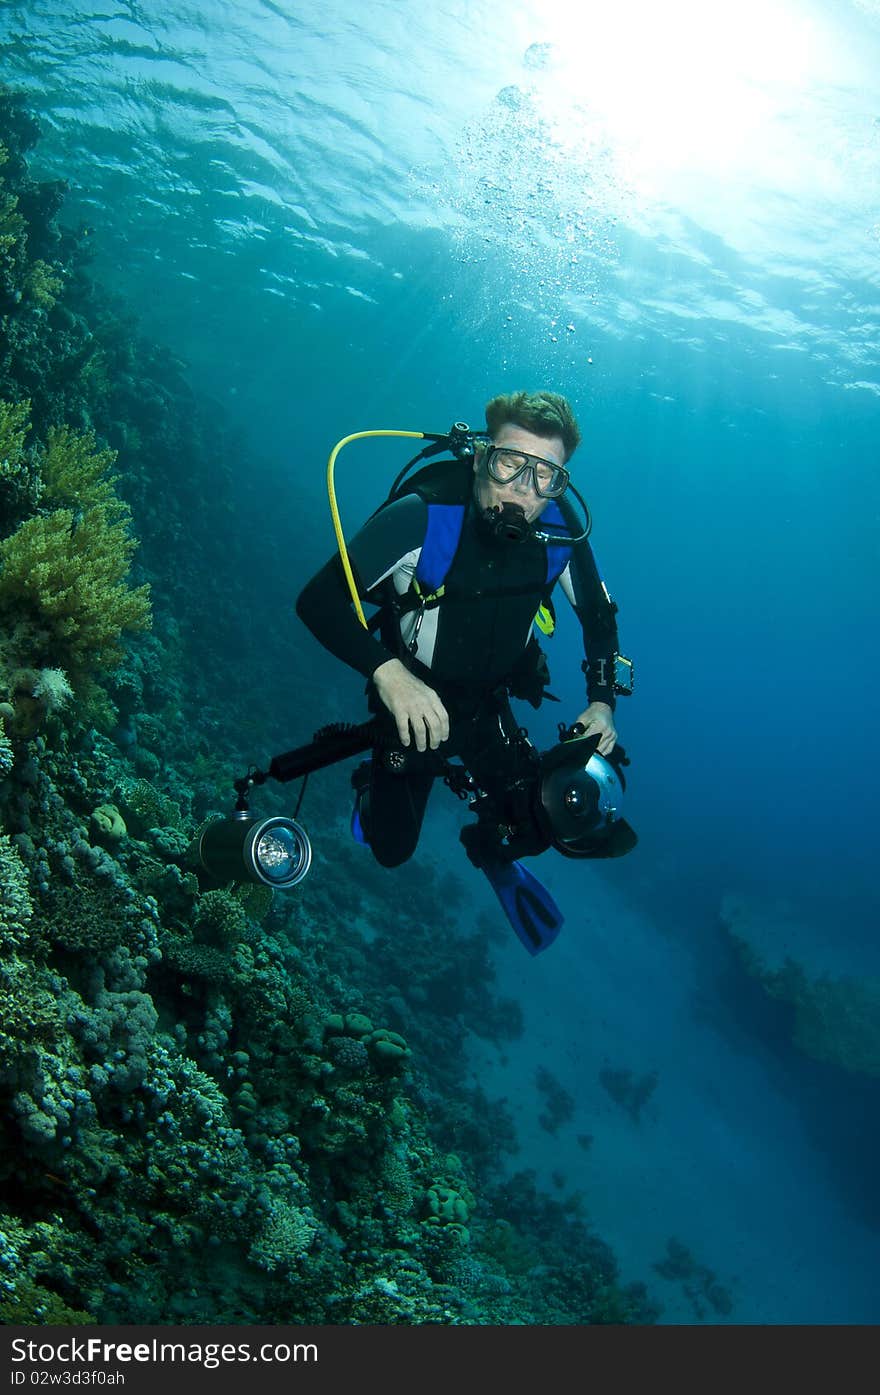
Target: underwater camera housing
{"x": 568, "y": 798}
{"x": 580, "y": 796}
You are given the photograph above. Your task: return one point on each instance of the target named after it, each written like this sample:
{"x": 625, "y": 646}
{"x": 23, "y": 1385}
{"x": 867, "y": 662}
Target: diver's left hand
{"x": 598, "y": 717}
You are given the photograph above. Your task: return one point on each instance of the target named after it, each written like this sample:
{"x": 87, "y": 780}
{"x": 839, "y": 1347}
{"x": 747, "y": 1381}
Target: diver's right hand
{"x": 415, "y": 707}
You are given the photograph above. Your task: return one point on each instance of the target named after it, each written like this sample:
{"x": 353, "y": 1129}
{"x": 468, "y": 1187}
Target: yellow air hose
{"x": 334, "y": 509}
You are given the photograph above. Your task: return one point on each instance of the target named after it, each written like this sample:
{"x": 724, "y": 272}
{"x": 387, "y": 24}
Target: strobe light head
{"x": 274, "y": 851}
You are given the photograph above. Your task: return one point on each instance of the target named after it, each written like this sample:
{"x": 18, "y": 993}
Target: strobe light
{"x": 275, "y": 851}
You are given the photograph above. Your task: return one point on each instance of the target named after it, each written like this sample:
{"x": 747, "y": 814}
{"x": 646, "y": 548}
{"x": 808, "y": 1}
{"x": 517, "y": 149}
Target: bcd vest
{"x": 446, "y": 487}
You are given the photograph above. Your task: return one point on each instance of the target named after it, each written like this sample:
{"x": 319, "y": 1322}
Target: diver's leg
{"x": 493, "y": 747}
{"x": 501, "y": 759}
{"x": 503, "y": 763}
{"x": 390, "y": 804}
{"x": 392, "y": 813}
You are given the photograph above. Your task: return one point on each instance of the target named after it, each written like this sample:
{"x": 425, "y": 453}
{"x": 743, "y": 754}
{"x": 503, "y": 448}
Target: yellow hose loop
{"x": 334, "y": 510}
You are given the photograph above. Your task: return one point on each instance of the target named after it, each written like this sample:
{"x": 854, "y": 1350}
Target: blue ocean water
{"x": 343, "y": 220}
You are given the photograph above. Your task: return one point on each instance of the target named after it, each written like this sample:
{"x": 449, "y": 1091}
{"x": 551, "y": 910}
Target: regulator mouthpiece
{"x": 507, "y": 522}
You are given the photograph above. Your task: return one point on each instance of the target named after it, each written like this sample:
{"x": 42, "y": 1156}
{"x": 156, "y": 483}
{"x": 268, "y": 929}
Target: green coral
{"x": 256, "y": 899}
{"x": 30, "y": 1018}
{"x": 19, "y": 477}
{"x": 88, "y": 917}
{"x": 34, "y": 1304}
{"x": 25, "y": 1296}
{"x": 74, "y": 473}
{"x": 445, "y": 1204}
{"x": 169, "y": 842}
{"x": 42, "y": 285}
{"x": 396, "y": 1183}
{"x": 14, "y": 426}
{"x": 286, "y": 1238}
{"x": 219, "y": 920}
{"x": 449, "y": 1205}
{"x": 7, "y": 754}
{"x": 196, "y": 961}
{"x": 352, "y": 1024}
{"x": 13, "y": 233}
{"x": 108, "y": 822}
{"x": 64, "y": 572}
{"x": 16, "y": 908}
{"x": 67, "y": 575}
{"x": 147, "y": 808}
{"x": 389, "y": 1048}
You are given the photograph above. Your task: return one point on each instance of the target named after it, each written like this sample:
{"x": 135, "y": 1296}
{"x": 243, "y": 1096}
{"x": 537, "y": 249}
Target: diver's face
{"x": 491, "y": 494}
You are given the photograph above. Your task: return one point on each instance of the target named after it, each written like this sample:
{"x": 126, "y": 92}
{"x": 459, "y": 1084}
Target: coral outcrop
{"x": 834, "y": 1011}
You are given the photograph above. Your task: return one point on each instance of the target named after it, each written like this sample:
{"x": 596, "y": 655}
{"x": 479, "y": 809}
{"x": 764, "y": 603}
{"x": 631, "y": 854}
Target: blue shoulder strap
{"x": 439, "y": 547}
{"x": 558, "y": 553}
{"x": 444, "y": 531}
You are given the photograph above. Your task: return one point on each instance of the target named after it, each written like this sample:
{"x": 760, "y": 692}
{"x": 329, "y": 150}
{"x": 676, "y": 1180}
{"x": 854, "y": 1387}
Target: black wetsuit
{"x": 473, "y": 648}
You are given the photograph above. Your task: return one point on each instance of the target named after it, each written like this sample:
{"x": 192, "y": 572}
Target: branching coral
{"x": 7, "y": 754}
{"x": 16, "y": 907}
{"x": 286, "y": 1237}
{"x": 19, "y": 477}
{"x": 14, "y": 426}
{"x": 220, "y": 919}
{"x": 147, "y": 808}
{"x": 42, "y": 285}
{"x": 30, "y": 1017}
{"x": 64, "y": 573}
{"x": 52, "y": 688}
{"x": 13, "y": 237}
{"x": 68, "y": 576}
{"x": 74, "y": 473}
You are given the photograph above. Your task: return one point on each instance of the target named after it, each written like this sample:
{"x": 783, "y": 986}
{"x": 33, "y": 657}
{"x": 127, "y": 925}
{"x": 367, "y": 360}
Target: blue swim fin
{"x": 360, "y": 813}
{"x": 528, "y": 905}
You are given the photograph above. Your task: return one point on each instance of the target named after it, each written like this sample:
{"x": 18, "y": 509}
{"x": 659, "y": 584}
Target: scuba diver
{"x": 461, "y": 563}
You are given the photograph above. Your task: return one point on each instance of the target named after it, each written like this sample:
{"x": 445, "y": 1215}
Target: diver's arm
{"x": 388, "y": 541}
{"x": 325, "y": 606}
{"x": 417, "y": 710}
{"x": 582, "y": 585}
{"x": 598, "y": 717}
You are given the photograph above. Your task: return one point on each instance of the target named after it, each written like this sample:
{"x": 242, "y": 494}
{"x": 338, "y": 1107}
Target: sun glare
{"x": 678, "y": 89}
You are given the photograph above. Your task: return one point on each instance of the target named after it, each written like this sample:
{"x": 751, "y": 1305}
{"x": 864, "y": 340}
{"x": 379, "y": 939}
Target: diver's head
{"x": 521, "y": 467}
{"x": 545, "y": 414}
{"x": 518, "y": 471}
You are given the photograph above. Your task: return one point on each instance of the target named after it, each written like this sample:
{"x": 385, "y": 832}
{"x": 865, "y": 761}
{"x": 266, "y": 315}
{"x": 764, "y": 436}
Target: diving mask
{"x": 505, "y": 464}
